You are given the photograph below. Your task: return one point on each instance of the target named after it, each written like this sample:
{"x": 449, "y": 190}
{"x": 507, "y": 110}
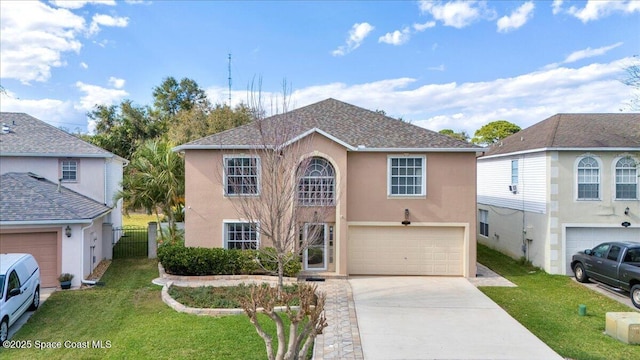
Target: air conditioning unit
{"x": 513, "y": 188}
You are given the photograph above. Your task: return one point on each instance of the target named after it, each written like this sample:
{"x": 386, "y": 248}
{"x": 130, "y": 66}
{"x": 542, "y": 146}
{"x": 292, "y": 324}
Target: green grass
{"x": 137, "y": 219}
{"x": 129, "y": 313}
{"x": 219, "y": 297}
{"x": 547, "y": 305}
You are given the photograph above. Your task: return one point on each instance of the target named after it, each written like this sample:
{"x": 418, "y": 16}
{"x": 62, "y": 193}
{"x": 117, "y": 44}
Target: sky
{"x": 438, "y": 64}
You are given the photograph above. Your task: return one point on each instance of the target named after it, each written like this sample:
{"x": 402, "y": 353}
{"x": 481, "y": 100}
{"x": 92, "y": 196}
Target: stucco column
{"x": 153, "y": 243}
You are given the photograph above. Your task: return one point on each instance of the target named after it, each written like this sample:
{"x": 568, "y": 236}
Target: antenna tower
{"x": 229, "y": 79}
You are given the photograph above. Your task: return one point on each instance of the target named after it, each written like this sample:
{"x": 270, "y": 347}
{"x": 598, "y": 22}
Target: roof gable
{"x": 28, "y": 136}
{"x": 29, "y": 198}
{"x": 574, "y": 131}
{"x": 351, "y": 126}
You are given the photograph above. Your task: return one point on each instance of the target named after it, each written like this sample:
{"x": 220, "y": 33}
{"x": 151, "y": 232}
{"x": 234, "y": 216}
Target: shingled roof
{"x": 575, "y": 131}
{"x": 356, "y": 128}
{"x": 24, "y": 135}
{"x": 27, "y": 198}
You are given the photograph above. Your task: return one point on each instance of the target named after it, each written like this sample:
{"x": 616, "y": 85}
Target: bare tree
{"x": 273, "y": 196}
{"x": 281, "y": 153}
{"x": 633, "y": 80}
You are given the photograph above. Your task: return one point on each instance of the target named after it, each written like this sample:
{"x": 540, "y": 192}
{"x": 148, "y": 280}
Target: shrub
{"x": 267, "y": 258}
{"x": 194, "y": 261}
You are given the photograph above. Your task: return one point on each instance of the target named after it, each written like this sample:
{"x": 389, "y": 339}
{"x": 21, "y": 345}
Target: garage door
{"x": 43, "y": 246}
{"x": 580, "y": 238}
{"x": 377, "y": 250}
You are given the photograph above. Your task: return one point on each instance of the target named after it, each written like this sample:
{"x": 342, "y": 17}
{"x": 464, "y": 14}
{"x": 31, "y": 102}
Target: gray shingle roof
{"x": 26, "y": 197}
{"x": 29, "y": 136}
{"x": 575, "y": 131}
{"x": 352, "y": 125}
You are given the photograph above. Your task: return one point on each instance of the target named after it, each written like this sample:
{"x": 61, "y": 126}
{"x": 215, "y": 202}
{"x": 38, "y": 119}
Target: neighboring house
{"x": 77, "y": 168}
{"x": 373, "y": 171}
{"x": 562, "y": 185}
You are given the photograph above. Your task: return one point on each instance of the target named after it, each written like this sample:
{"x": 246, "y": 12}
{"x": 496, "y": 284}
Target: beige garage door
{"x": 42, "y": 245}
{"x": 377, "y": 250}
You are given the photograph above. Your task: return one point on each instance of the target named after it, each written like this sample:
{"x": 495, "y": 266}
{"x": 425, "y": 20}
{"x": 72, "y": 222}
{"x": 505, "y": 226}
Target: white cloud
{"x": 595, "y": 10}
{"x": 524, "y": 99}
{"x": 456, "y": 13}
{"x": 106, "y": 20}
{"x": 56, "y": 112}
{"x": 517, "y": 18}
{"x": 357, "y": 34}
{"x": 95, "y": 94}
{"x": 556, "y": 6}
{"x": 116, "y": 83}
{"x": 34, "y": 37}
{"x": 77, "y": 4}
{"x": 584, "y": 54}
{"x": 589, "y": 52}
{"x": 437, "y": 68}
{"x": 396, "y": 38}
{"x": 84, "y": 65}
{"x": 425, "y": 26}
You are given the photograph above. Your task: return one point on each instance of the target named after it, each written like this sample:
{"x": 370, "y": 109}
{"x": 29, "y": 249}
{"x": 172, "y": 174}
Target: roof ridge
{"x": 552, "y": 135}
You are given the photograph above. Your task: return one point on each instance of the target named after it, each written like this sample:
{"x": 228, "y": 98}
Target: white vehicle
{"x": 19, "y": 287}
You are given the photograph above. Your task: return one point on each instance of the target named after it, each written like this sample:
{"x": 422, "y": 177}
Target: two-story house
{"x": 57, "y": 193}
{"x": 402, "y": 197}
{"x": 560, "y": 186}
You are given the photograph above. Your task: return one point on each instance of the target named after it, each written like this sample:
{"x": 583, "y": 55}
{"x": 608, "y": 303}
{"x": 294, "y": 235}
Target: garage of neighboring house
{"x": 581, "y": 238}
{"x": 44, "y": 245}
{"x": 406, "y": 250}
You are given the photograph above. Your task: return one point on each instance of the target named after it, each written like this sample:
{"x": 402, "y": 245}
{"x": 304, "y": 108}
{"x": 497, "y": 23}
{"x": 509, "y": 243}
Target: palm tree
{"x": 155, "y": 182}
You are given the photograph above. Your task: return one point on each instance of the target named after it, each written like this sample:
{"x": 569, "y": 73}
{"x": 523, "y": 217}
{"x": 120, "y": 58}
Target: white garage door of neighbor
{"x": 44, "y": 248}
{"x": 581, "y": 238}
{"x": 410, "y": 250}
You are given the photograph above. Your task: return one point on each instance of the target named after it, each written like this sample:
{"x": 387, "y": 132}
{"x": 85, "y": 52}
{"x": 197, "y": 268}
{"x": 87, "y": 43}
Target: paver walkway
{"x": 341, "y": 338}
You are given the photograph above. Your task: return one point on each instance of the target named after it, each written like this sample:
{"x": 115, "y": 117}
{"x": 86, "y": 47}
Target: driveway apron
{"x": 437, "y": 318}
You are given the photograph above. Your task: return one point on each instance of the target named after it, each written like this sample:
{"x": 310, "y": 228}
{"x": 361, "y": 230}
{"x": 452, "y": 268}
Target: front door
{"x": 315, "y": 255}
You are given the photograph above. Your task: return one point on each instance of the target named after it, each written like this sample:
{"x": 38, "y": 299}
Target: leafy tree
{"x": 170, "y": 97}
{"x": 154, "y": 182}
{"x": 199, "y": 122}
{"x": 494, "y": 131}
{"x": 462, "y": 135}
{"x": 122, "y": 128}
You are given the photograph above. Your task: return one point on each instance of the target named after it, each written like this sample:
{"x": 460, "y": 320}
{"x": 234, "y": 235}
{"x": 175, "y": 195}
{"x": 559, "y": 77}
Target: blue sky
{"x": 438, "y": 64}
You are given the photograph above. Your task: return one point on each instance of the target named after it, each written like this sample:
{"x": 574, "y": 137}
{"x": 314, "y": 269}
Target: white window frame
{"x": 632, "y": 176}
{"x": 320, "y": 197}
{"x": 514, "y": 177}
{"x": 225, "y": 232}
{"x": 423, "y": 174}
{"x": 483, "y": 218}
{"x": 75, "y": 171}
{"x": 577, "y": 177}
{"x": 225, "y": 175}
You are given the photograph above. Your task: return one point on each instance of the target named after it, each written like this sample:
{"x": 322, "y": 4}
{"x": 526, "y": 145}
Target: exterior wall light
{"x": 67, "y": 231}
{"x": 406, "y": 218}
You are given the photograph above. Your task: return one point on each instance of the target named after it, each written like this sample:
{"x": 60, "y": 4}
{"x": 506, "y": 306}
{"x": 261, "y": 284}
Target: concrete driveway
{"x": 437, "y": 318}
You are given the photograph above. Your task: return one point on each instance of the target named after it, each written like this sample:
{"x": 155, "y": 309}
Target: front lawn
{"x": 130, "y": 319}
{"x": 547, "y": 305}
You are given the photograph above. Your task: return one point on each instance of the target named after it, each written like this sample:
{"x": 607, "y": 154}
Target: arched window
{"x": 626, "y": 179}
{"x": 588, "y": 179}
{"x": 317, "y": 183}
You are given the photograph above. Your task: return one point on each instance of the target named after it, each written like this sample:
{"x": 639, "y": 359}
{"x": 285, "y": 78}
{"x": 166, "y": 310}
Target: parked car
{"x": 19, "y": 287}
{"x": 616, "y": 264}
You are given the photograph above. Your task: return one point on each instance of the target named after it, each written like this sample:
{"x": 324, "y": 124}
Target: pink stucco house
{"x": 402, "y": 197}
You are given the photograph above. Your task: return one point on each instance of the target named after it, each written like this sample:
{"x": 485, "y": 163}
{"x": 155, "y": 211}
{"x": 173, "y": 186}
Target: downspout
{"x": 84, "y": 281}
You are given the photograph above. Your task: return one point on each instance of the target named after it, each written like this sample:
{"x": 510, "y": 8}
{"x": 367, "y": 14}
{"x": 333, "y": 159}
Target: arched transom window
{"x": 626, "y": 179}
{"x": 588, "y": 179}
{"x": 317, "y": 183}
